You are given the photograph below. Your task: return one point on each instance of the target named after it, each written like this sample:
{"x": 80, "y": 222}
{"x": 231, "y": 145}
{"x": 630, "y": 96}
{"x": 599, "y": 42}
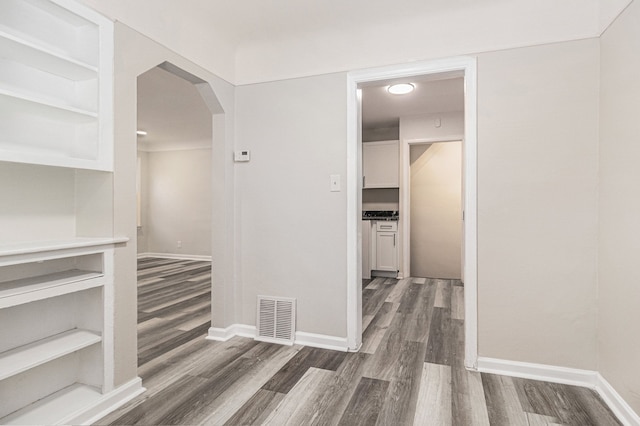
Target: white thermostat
{"x": 241, "y": 156}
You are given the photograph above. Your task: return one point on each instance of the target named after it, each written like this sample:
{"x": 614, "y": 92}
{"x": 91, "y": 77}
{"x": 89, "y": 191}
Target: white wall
{"x": 177, "y": 205}
{"x": 451, "y": 124}
{"x": 436, "y": 210}
{"x": 53, "y": 203}
{"x": 537, "y": 203}
{"x": 293, "y": 229}
{"x": 619, "y": 251}
{"x": 42, "y": 206}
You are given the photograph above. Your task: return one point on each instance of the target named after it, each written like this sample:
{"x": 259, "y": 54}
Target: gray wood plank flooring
{"x": 410, "y": 369}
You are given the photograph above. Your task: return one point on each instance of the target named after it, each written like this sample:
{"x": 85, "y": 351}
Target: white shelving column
{"x": 57, "y": 250}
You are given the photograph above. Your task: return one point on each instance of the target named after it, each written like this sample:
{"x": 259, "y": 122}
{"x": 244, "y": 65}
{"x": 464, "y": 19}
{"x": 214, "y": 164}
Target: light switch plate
{"x": 335, "y": 183}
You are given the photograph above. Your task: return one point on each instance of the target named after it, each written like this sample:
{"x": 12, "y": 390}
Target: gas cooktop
{"x": 380, "y": 215}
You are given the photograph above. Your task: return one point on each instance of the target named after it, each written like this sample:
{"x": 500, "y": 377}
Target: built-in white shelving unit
{"x": 56, "y": 216}
{"x": 55, "y": 96}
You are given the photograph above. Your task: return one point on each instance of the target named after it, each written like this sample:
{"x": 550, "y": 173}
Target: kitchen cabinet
{"x": 380, "y": 164}
{"x": 387, "y": 246}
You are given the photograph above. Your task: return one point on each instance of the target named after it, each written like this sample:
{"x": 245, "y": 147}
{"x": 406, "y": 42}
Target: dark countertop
{"x": 386, "y": 215}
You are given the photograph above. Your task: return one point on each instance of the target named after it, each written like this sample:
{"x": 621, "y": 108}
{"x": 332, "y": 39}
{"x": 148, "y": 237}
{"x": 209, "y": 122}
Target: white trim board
{"x": 616, "y": 403}
{"x": 467, "y": 65}
{"x": 109, "y": 402}
{"x": 568, "y": 376}
{"x": 178, "y": 256}
{"x": 313, "y": 340}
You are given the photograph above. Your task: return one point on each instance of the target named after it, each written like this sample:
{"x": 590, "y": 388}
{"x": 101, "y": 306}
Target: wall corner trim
{"x": 616, "y": 403}
{"x": 321, "y": 341}
{"x": 564, "y": 375}
{"x": 109, "y": 402}
{"x": 177, "y": 256}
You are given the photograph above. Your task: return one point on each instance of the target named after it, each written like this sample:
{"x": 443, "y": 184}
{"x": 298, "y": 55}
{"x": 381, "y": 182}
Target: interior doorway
{"x": 174, "y": 204}
{"x": 435, "y": 208}
{"x": 466, "y": 68}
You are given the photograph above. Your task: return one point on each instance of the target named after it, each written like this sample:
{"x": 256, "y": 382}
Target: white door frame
{"x": 354, "y": 187}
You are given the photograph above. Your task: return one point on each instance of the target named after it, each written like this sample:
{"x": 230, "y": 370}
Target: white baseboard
{"x": 322, "y": 341}
{"x": 547, "y": 373}
{"x": 108, "y": 403}
{"x": 224, "y": 334}
{"x": 178, "y": 256}
{"x": 615, "y": 402}
{"x": 568, "y": 376}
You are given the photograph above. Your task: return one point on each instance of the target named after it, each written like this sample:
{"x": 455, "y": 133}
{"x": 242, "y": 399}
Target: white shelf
{"x": 28, "y": 356}
{"x": 58, "y": 408}
{"x": 40, "y": 57}
{"x": 27, "y": 290}
{"x": 32, "y": 247}
{"x": 14, "y": 100}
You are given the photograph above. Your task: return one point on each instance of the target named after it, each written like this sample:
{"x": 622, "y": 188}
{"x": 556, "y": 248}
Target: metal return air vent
{"x": 276, "y": 319}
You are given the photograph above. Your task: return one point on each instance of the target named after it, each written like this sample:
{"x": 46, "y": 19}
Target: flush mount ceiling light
{"x": 141, "y": 133}
{"x": 401, "y": 88}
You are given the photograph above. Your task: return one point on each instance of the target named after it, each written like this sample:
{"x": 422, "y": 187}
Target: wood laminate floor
{"x": 409, "y": 370}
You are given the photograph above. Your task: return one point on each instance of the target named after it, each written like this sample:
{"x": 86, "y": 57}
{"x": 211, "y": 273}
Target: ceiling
{"x": 172, "y": 112}
{"x": 432, "y": 94}
{"x": 245, "y": 21}
{"x": 252, "y": 41}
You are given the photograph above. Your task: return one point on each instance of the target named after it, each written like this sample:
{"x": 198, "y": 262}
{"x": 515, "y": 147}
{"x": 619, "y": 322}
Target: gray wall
{"x": 537, "y": 203}
{"x": 293, "y": 229}
{"x": 436, "y": 210}
{"x": 619, "y": 292}
{"x": 177, "y": 202}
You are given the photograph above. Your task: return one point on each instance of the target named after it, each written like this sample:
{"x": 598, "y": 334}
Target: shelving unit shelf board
{"x": 10, "y": 99}
{"x": 30, "y": 289}
{"x": 23, "y": 358}
{"x": 53, "y": 158}
{"x": 34, "y": 247}
{"x": 40, "y": 57}
{"x": 58, "y": 408}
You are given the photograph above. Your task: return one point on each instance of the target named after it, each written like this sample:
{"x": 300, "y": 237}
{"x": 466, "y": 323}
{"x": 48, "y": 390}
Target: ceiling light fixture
{"x": 401, "y": 88}
{"x": 141, "y": 133}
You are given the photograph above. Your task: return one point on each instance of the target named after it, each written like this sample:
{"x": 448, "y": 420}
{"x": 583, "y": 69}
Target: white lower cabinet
{"x": 384, "y": 246}
{"x": 386, "y": 251}
{"x": 53, "y": 364}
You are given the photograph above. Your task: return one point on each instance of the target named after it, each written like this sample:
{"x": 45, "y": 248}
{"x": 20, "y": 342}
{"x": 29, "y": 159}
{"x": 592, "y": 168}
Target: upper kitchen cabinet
{"x": 380, "y": 164}
{"x": 56, "y": 76}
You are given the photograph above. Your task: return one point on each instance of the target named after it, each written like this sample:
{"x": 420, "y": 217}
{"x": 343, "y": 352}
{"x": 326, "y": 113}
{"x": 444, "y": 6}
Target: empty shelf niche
{"x": 59, "y": 338}
{"x": 47, "y": 401}
{"x": 28, "y": 282}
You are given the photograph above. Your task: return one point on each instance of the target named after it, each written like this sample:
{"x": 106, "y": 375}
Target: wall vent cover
{"x": 276, "y": 319}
